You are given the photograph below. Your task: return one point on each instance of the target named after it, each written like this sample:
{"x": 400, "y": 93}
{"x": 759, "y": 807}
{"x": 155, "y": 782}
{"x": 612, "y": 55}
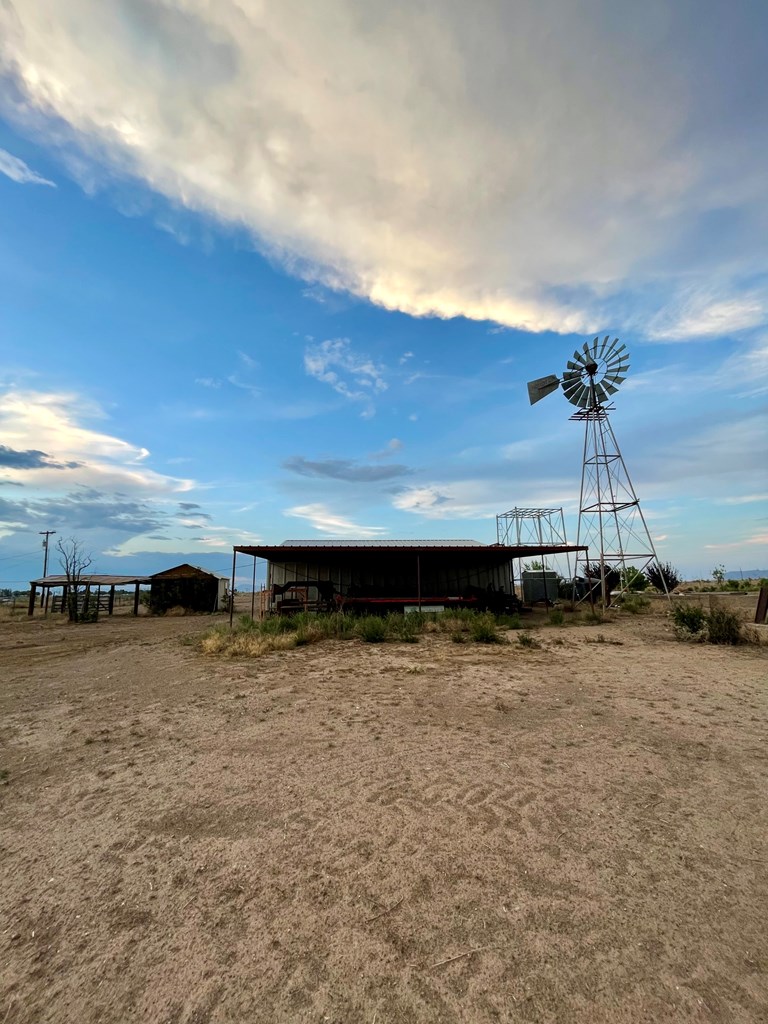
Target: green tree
{"x": 718, "y": 574}
{"x": 633, "y": 579}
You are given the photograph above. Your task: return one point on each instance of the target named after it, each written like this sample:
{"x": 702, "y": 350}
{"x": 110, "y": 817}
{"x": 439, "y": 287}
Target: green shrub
{"x": 245, "y": 622}
{"x": 593, "y": 618}
{"x": 723, "y": 627}
{"x": 556, "y": 617}
{"x": 405, "y": 628}
{"x": 484, "y": 630}
{"x": 633, "y": 579}
{"x": 526, "y": 640}
{"x": 509, "y": 621}
{"x": 455, "y": 619}
{"x": 372, "y": 629}
{"x": 458, "y": 637}
{"x": 635, "y": 604}
{"x": 276, "y": 624}
{"x": 690, "y": 618}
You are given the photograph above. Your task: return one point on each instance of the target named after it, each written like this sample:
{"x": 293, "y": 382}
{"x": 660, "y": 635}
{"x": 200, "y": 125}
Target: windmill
{"x": 611, "y": 521}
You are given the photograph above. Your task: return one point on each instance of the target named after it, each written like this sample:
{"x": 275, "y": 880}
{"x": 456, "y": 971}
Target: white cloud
{"x": 208, "y": 382}
{"x": 355, "y": 376}
{"x": 743, "y": 499}
{"x": 52, "y": 423}
{"x": 215, "y": 540}
{"x": 321, "y": 518}
{"x": 705, "y": 317}
{"x": 15, "y": 169}
{"x": 392, "y": 447}
{"x": 457, "y": 159}
{"x": 458, "y": 500}
{"x": 756, "y": 539}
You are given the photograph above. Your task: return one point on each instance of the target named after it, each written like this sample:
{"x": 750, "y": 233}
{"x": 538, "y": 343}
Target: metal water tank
{"x": 539, "y": 585}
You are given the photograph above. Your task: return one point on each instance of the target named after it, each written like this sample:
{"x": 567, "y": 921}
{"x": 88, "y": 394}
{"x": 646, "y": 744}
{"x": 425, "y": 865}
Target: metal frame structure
{"x": 542, "y": 526}
{"x": 611, "y": 521}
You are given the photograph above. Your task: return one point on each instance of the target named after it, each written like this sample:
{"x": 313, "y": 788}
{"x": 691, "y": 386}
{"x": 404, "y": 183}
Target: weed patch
{"x": 484, "y": 630}
{"x": 371, "y": 629}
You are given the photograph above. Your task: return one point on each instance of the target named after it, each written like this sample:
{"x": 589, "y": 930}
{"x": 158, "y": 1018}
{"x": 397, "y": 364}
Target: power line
{"x": 23, "y": 554}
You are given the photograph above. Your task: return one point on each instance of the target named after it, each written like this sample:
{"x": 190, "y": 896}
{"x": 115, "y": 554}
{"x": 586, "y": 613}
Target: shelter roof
{"x": 310, "y": 550}
{"x": 188, "y": 565}
{"x": 92, "y": 579}
{"x": 343, "y": 543}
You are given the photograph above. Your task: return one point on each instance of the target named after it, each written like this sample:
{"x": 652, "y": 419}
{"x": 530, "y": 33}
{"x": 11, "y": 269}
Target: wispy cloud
{"x": 322, "y": 519}
{"x": 15, "y": 169}
{"x": 392, "y": 447}
{"x": 278, "y": 122}
{"x": 743, "y": 499}
{"x": 447, "y": 501}
{"x": 349, "y": 373}
{"x": 344, "y": 469}
{"x": 704, "y": 317}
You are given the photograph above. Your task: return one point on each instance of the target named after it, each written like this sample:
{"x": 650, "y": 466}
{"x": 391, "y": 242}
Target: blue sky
{"x": 285, "y": 273}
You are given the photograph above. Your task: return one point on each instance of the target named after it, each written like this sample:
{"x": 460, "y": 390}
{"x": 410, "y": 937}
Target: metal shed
{"x": 390, "y": 574}
{"x": 188, "y": 586}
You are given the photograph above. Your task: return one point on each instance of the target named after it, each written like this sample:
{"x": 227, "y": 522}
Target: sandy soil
{"x": 396, "y": 833}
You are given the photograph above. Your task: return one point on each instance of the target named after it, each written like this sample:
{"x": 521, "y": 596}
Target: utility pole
{"x": 46, "y": 534}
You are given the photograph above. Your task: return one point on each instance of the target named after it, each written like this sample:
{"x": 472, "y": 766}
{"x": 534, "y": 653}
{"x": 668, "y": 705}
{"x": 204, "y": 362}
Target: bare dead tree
{"x": 74, "y": 561}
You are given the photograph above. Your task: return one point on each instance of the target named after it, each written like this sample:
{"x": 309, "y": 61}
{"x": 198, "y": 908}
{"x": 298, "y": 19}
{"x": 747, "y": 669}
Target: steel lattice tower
{"x": 611, "y": 522}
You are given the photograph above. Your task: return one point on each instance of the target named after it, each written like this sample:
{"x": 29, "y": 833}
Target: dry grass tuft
{"x": 246, "y": 644}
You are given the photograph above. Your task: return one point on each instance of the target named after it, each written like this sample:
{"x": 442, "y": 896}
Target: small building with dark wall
{"x": 190, "y": 587}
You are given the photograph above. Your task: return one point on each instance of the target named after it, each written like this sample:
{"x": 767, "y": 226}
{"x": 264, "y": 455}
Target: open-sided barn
{"x": 391, "y": 574}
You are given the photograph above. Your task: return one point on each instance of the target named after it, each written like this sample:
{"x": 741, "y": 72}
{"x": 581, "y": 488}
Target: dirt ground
{"x": 574, "y": 832}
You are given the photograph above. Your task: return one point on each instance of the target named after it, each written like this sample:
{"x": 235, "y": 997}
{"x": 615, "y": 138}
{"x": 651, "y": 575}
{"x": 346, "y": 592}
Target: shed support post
{"x": 64, "y": 599}
{"x": 232, "y": 588}
{"x": 32, "y": 595}
{"x": 418, "y": 579}
{"x": 111, "y": 604}
{"x": 253, "y": 589}
{"x": 136, "y": 600}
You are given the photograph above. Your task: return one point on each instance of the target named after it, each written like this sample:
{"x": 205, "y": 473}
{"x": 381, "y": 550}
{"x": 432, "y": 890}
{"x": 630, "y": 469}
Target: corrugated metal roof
{"x": 94, "y": 580}
{"x": 346, "y": 543}
{"x": 377, "y": 552}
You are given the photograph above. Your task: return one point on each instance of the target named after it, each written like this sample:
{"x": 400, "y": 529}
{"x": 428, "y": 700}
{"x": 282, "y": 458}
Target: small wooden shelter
{"x": 100, "y": 587}
{"x": 190, "y": 587}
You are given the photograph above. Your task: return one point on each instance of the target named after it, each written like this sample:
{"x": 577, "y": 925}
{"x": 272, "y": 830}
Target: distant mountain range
{"x": 747, "y": 574}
